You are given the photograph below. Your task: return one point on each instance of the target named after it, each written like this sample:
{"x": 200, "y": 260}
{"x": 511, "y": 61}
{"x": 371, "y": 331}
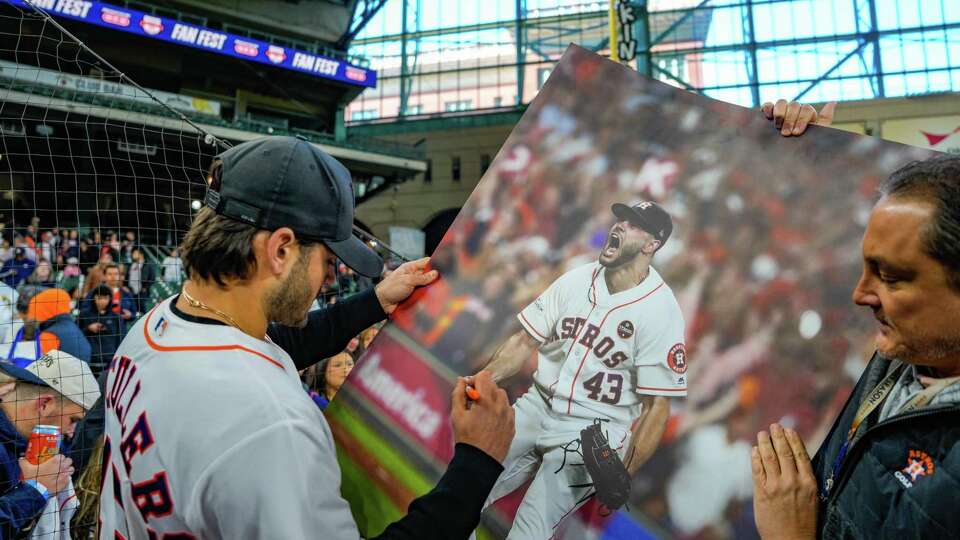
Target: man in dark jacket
{"x": 103, "y": 328}
{"x": 55, "y": 390}
{"x": 121, "y": 299}
{"x": 890, "y": 464}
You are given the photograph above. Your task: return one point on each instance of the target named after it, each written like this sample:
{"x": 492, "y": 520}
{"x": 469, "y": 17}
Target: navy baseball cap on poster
{"x": 647, "y": 215}
{"x": 277, "y": 182}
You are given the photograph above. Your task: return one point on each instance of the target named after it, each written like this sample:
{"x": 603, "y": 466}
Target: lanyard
{"x": 874, "y": 400}
{"x": 22, "y": 362}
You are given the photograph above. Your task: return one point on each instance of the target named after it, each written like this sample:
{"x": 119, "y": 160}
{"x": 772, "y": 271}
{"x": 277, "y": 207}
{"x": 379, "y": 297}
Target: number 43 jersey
{"x": 599, "y": 351}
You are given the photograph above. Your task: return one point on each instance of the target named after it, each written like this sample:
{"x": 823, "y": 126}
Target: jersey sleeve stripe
{"x": 161, "y": 348}
{"x": 530, "y": 327}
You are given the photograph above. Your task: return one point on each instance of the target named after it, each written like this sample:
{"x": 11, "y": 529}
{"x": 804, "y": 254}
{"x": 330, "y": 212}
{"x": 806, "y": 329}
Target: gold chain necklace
{"x": 194, "y": 303}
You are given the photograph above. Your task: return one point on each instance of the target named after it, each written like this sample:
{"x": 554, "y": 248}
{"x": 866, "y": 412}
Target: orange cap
{"x": 48, "y": 304}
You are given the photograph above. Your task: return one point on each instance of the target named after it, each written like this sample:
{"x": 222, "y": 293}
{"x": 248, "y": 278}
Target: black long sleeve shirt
{"x": 328, "y": 329}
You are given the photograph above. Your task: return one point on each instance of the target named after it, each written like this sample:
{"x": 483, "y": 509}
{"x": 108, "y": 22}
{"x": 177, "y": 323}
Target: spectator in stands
{"x": 87, "y": 254}
{"x": 70, "y": 246}
{"x": 71, "y": 278}
{"x": 50, "y": 310}
{"x": 58, "y": 390}
{"x": 30, "y": 237}
{"x": 24, "y": 347}
{"x": 47, "y": 247}
{"x": 103, "y": 328}
{"x": 140, "y": 277}
{"x": 17, "y": 269}
{"x": 127, "y": 245}
{"x": 354, "y": 347}
{"x": 111, "y": 247}
{"x": 28, "y": 248}
{"x": 42, "y": 275}
{"x": 97, "y": 274}
{"x": 121, "y": 301}
{"x": 56, "y": 240}
{"x": 173, "y": 267}
{"x": 8, "y": 313}
{"x": 331, "y": 373}
{"x": 6, "y": 249}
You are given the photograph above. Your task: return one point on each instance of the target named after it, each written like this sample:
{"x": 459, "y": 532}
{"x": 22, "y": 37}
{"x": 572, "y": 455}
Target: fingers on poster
{"x": 656, "y": 244}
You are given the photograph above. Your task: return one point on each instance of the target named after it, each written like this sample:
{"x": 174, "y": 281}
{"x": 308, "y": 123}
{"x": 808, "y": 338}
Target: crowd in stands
{"x": 76, "y": 292}
{"x": 104, "y": 283}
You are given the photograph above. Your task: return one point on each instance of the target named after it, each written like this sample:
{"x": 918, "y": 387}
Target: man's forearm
{"x": 511, "y": 355}
{"x": 648, "y": 432}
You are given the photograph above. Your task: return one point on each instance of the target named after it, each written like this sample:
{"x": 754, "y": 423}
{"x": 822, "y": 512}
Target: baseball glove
{"x": 611, "y": 481}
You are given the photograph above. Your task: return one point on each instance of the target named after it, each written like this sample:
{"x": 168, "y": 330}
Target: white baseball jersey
{"x": 54, "y": 522}
{"x": 611, "y": 348}
{"x": 8, "y": 307}
{"x": 209, "y": 434}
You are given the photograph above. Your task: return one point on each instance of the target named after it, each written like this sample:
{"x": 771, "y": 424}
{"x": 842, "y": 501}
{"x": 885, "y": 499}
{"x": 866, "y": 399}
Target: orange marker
{"x": 472, "y": 393}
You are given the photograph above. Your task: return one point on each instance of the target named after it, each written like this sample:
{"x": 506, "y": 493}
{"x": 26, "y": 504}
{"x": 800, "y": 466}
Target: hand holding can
{"x": 44, "y": 443}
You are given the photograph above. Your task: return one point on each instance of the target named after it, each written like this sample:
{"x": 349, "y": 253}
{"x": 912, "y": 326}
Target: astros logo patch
{"x": 919, "y": 463}
{"x": 677, "y": 358}
{"x": 625, "y": 329}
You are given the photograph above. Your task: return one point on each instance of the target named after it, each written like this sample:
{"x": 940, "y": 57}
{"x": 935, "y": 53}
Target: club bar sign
{"x": 198, "y": 37}
{"x": 623, "y": 44}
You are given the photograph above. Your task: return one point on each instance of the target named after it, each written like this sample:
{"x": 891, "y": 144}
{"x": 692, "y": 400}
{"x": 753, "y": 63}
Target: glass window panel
{"x": 895, "y": 14}
{"x": 803, "y": 19}
{"x": 919, "y": 50}
{"x": 737, "y": 96}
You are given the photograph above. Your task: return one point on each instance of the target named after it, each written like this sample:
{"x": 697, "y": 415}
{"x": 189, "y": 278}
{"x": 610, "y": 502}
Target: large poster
{"x": 648, "y": 246}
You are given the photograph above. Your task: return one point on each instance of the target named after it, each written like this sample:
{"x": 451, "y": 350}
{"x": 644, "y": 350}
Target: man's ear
{"x": 651, "y": 247}
{"x": 279, "y": 247}
{"x": 45, "y": 405}
{"x": 7, "y": 388}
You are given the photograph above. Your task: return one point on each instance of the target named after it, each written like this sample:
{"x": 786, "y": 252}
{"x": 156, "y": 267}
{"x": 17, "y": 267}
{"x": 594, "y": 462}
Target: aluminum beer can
{"x": 44, "y": 443}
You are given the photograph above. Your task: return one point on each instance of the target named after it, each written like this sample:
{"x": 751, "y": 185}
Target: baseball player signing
{"x": 609, "y": 337}
{"x": 208, "y": 431}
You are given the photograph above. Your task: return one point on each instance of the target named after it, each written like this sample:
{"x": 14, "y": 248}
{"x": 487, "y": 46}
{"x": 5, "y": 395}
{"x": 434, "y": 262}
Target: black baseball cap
{"x": 647, "y": 215}
{"x": 278, "y": 182}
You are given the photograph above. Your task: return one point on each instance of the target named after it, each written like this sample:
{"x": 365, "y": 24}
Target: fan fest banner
{"x": 205, "y": 39}
{"x": 763, "y": 256}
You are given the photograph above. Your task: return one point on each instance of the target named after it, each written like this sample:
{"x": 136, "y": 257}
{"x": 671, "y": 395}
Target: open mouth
{"x": 613, "y": 244}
